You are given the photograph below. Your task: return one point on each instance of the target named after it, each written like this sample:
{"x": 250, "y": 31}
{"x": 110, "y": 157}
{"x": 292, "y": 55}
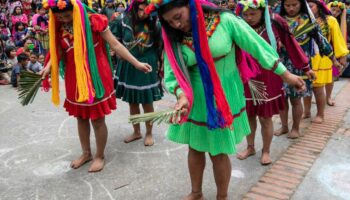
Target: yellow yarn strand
{"x": 81, "y": 67}
{"x": 54, "y": 60}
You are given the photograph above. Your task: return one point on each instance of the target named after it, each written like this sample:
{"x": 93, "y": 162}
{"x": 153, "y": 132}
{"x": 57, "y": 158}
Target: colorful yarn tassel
{"x": 184, "y": 83}
{"x": 222, "y": 116}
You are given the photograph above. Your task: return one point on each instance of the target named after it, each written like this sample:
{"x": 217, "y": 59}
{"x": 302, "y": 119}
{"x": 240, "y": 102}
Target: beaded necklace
{"x": 212, "y": 20}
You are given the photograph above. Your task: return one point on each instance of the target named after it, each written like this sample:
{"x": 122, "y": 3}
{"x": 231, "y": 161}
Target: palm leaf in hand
{"x": 29, "y": 85}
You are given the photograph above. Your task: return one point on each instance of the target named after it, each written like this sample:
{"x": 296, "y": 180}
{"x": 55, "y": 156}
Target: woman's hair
{"x": 120, "y": 3}
{"x": 8, "y": 50}
{"x": 175, "y": 34}
{"x": 69, "y": 7}
{"x": 150, "y": 21}
{"x": 303, "y": 8}
{"x": 19, "y": 24}
{"x": 14, "y": 10}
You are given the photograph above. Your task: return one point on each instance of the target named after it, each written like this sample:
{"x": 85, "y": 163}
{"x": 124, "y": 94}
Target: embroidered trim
{"x": 84, "y": 104}
{"x": 198, "y": 123}
{"x": 275, "y": 65}
{"x": 134, "y": 87}
{"x": 265, "y": 100}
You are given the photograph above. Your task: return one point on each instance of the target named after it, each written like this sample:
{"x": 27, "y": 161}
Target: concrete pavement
{"x": 38, "y": 142}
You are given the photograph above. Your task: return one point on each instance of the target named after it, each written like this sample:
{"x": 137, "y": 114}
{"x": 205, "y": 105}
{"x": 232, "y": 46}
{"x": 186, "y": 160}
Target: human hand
{"x": 342, "y": 61}
{"x": 294, "y": 80}
{"x": 311, "y": 75}
{"x": 182, "y": 106}
{"x": 144, "y": 67}
{"x": 45, "y": 72}
{"x": 338, "y": 65}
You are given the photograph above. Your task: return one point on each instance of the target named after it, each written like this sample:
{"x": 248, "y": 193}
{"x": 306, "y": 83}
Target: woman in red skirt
{"x": 78, "y": 48}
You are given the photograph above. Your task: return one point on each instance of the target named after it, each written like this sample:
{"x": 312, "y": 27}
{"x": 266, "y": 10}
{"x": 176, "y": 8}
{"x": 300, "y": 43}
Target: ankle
{"x": 250, "y": 147}
{"x": 265, "y": 151}
{"x": 87, "y": 152}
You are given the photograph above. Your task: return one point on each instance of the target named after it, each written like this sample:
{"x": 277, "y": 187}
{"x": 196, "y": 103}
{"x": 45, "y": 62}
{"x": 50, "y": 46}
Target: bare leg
{"x": 134, "y": 109}
{"x": 250, "y": 140}
{"x": 196, "y": 165}
{"x": 267, "y": 134}
{"x": 307, "y": 107}
{"x": 329, "y": 90}
{"x": 148, "y": 139}
{"x": 320, "y": 103}
{"x": 101, "y": 135}
{"x": 84, "y": 137}
{"x": 222, "y": 175}
{"x": 297, "y": 112}
{"x": 284, "y": 120}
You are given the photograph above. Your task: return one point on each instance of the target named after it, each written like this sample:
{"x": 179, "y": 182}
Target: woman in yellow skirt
{"x": 322, "y": 65}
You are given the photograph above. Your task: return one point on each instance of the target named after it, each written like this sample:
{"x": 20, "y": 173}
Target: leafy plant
{"x": 29, "y": 84}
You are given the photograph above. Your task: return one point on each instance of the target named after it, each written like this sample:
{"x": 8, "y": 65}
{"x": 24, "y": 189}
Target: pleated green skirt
{"x": 195, "y": 133}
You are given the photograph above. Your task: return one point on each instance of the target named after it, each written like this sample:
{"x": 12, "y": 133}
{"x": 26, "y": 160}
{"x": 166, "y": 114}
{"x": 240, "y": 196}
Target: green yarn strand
{"x": 96, "y": 79}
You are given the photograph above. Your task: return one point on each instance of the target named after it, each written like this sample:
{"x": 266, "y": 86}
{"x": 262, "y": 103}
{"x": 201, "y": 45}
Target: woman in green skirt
{"x": 141, "y": 35}
{"x": 200, "y": 69}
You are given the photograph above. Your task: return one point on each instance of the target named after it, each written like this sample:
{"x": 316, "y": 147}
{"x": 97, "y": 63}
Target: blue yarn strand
{"x": 212, "y": 114}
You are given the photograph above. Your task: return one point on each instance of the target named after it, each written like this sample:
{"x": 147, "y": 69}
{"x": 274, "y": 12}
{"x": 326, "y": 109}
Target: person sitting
{"x": 34, "y": 66}
{"x": 16, "y": 70}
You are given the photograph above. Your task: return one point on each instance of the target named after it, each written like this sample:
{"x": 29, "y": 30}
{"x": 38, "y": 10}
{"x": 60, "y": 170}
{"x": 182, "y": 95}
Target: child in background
{"x": 20, "y": 66}
{"x": 20, "y": 34}
{"x": 4, "y": 30}
{"x": 18, "y": 16}
{"x": 11, "y": 58}
{"x": 41, "y": 59}
{"x": 34, "y": 66}
{"x": 40, "y": 24}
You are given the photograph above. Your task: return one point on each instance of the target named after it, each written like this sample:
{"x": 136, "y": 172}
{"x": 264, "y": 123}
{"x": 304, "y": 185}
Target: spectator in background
{"x": 231, "y": 5}
{"x": 96, "y": 7}
{"x": 41, "y": 59}
{"x": 27, "y": 48}
{"x": 34, "y": 66}
{"x": 16, "y": 70}
{"x": 27, "y": 6}
{"x": 120, "y": 10}
{"x": 18, "y": 16}
{"x": 12, "y": 4}
{"x": 109, "y": 9}
{"x": 4, "y": 78}
{"x": 10, "y": 52}
{"x": 40, "y": 25}
{"x": 20, "y": 34}
{"x": 4, "y": 30}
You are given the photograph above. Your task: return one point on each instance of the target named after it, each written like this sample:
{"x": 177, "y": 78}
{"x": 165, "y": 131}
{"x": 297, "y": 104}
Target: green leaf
{"x": 29, "y": 84}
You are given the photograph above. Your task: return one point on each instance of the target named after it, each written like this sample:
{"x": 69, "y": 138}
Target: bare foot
{"x": 194, "y": 196}
{"x": 306, "y": 115}
{"x": 281, "y": 131}
{"x": 265, "y": 158}
{"x": 318, "y": 120}
{"x": 97, "y": 165}
{"x": 83, "y": 159}
{"x": 133, "y": 137}
{"x": 149, "y": 140}
{"x": 293, "y": 134}
{"x": 246, "y": 153}
{"x": 330, "y": 102}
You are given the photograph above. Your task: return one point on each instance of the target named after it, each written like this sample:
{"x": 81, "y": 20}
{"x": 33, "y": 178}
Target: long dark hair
{"x": 303, "y": 8}
{"x": 175, "y": 34}
{"x": 150, "y": 21}
{"x": 14, "y": 10}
